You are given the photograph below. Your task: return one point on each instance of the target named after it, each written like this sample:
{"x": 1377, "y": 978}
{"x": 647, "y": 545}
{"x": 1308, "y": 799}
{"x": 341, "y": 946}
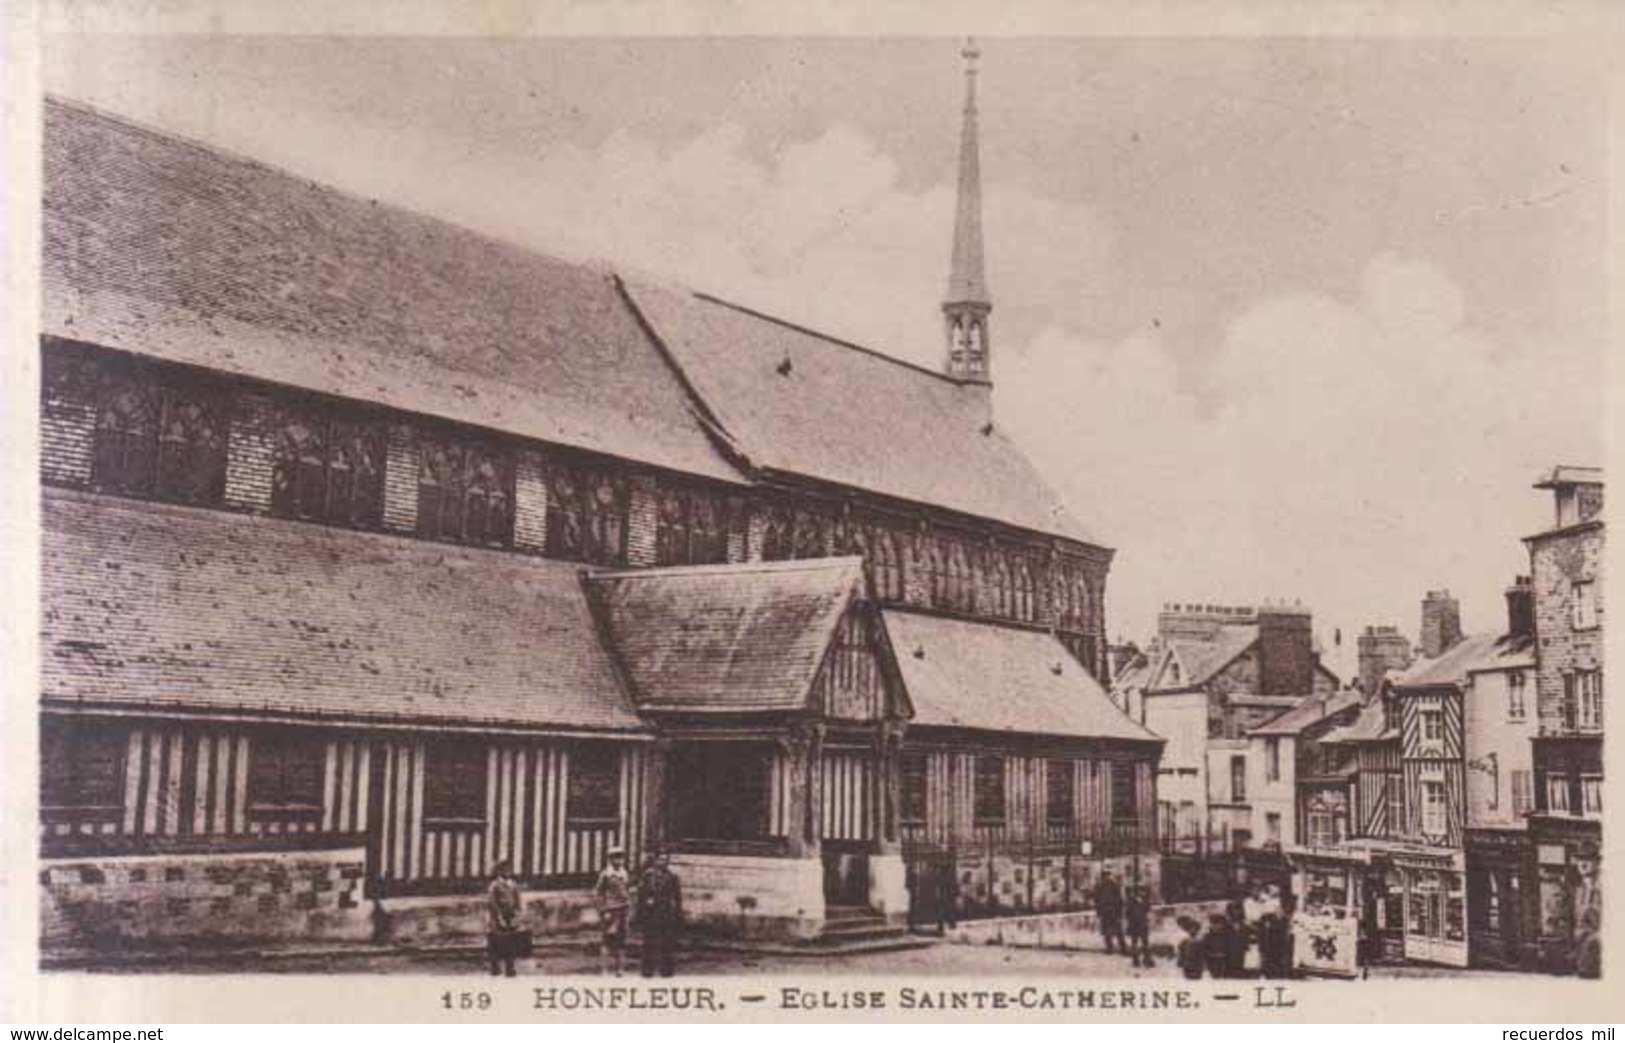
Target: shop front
{"x": 1568, "y": 867}
{"x": 1326, "y": 929}
{"x": 1502, "y": 898}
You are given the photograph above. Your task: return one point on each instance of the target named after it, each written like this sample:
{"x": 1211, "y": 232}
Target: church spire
{"x": 967, "y": 304}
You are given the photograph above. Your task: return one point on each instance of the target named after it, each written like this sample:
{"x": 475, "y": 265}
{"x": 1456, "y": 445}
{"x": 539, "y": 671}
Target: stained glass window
{"x": 328, "y": 469}
{"x": 465, "y": 493}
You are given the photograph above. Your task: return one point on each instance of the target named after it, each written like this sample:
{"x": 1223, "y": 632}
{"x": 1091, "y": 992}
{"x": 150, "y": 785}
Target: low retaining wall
{"x": 221, "y": 898}
{"x": 1079, "y": 930}
{"x": 784, "y": 896}
{"x": 463, "y": 918}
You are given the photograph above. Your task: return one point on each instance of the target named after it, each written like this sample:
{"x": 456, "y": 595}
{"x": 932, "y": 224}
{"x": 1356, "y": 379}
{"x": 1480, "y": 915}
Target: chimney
{"x": 1200, "y": 622}
{"x": 1382, "y": 648}
{"x": 1521, "y": 608}
{"x": 1441, "y": 623}
{"x": 1286, "y": 651}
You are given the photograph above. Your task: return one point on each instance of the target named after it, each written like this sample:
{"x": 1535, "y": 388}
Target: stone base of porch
{"x": 888, "y": 887}
{"x": 752, "y": 896}
{"x": 462, "y": 918}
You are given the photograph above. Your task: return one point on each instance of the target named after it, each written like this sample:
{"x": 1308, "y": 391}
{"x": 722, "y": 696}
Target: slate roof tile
{"x": 159, "y": 606}
{"x": 737, "y": 638}
{"x": 964, "y": 674}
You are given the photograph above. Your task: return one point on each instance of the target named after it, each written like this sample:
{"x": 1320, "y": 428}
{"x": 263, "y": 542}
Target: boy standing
{"x": 614, "y": 896}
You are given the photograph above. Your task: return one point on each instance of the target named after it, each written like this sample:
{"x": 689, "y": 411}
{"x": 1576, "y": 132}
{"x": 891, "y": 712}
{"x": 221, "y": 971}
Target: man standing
{"x": 503, "y": 937}
{"x": 614, "y": 896}
{"x": 1137, "y": 915}
{"x": 1109, "y": 911}
{"x": 660, "y": 915}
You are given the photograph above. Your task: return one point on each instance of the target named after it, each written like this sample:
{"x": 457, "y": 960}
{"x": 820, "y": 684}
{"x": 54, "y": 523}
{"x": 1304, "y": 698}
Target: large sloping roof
{"x": 158, "y": 606}
{"x": 1311, "y": 710}
{"x": 962, "y": 674}
{"x": 803, "y": 404}
{"x": 1471, "y": 653}
{"x": 740, "y": 638}
{"x": 162, "y": 247}
{"x": 1200, "y": 660}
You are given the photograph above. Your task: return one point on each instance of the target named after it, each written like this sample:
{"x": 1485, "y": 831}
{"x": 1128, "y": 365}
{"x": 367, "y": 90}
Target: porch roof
{"x": 726, "y": 639}
{"x": 988, "y": 677}
{"x": 161, "y": 607}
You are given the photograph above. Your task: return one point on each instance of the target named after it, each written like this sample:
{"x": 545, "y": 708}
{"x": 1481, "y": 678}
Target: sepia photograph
{"x": 631, "y": 513}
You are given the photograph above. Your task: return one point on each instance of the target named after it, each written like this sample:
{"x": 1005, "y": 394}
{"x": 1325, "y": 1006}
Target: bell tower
{"x": 966, "y": 308}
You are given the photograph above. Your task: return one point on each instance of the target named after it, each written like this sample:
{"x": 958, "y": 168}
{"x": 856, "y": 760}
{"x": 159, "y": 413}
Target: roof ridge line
{"x": 731, "y": 567}
{"x": 829, "y": 338}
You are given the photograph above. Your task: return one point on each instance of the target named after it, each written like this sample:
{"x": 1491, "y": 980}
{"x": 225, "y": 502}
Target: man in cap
{"x": 614, "y": 897}
{"x": 660, "y": 915}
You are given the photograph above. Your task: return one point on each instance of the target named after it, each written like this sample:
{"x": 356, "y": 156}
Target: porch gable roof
{"x": 988, "y": 677}
{"x": 726, "y": 639}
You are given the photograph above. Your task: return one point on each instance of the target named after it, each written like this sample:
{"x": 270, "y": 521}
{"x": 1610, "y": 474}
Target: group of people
{"x": 1117, "y": 908}
{"x": 1251, "y": 938}
{"x": 653, "y": 903}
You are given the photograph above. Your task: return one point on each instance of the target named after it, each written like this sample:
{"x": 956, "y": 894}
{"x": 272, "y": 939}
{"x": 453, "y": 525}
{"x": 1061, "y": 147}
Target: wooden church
{"x": 376, "y": 551}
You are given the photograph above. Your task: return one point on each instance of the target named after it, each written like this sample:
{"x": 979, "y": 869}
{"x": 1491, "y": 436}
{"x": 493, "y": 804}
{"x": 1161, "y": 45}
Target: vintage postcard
{"x": 941, "y": 522}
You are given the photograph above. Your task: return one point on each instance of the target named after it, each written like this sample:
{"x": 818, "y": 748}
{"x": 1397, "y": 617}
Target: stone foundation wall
{"x": 548, "y": 915}
{"x": 784, "y": 896}
{"x": 267, "y": 896}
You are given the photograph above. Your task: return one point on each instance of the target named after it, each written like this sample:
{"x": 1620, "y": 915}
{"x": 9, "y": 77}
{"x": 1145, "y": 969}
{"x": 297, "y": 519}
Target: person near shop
{"x": 1137, "y": 918}
{"x": 1109, "y": 912}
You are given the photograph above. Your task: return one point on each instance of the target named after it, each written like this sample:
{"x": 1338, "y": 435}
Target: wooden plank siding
{"x": 190, "y": 782}
{"x": 950, "y": 818}
{"x": 1375, "y": 815}
{"x": 851, "y": 683}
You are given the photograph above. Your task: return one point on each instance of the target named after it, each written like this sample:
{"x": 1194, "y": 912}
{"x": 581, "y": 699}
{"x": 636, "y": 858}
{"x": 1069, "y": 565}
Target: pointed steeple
{"x": 967, "y": 304}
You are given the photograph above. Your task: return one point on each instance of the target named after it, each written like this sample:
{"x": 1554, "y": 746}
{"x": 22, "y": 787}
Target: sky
{"x": 1282, "y": 319}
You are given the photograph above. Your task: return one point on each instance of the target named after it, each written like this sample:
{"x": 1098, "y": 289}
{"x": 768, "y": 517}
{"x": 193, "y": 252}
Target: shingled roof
{"x": 1311, "y": 710}
{"x": 162, "y": 247}
{"x": 963, "y": 674}
{"x": 745, "y": 638}
{"x": 154, "y": 606}
{"x": 802, "y": 404}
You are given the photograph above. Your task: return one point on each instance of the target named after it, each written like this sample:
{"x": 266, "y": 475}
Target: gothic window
{"x": 998, "y": 578}
{"x": 776, "y": 536}
{"x": 608, "y": 504}
{"x": 454, "y": 782}
{"x": 887, "y": 564}
{"x": 1026, "y": 592}
{"x": 811, "y": 535}
{"x": 165, "y": 439}
{"x": 671, "y": 529}
{"x": 127, "y": 436}
{"x": 81, "y": 766}
{"x": 328, "y": 469}
{"x": 960, "y": 594}
{"x": 565, "y": 514}
{"x": 286, "y": 771}
{"x": 592, "y": 793}
{"x": 708, "y": 530}
{"x": 936, "y": 572}
{"x": 465, "y": 493}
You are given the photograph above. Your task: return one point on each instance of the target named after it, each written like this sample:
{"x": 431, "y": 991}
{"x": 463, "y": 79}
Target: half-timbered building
{"x": 377, "y": 550}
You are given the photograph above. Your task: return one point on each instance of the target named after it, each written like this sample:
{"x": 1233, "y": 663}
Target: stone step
{"x": 867, "y": 925}
{"x": 848, "y": 912}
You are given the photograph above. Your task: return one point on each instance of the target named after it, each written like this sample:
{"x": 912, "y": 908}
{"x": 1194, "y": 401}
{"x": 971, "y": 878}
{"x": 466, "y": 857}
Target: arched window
{"x": 127, "y": 436}
{"x": 1026, "y": 591}
{"x": 465, "y": 493}
{"x": 961, "y": 593}
{"x": 776, "y": 535}
{"x": 936, "y": 572}
{"x": 888, "y": 565}
{"x": 566, "y": 521}
{"x": 326, "y": 469}
{"x": 708, "y": 530}
{"x": 999, "y": 582}
{"x": 811, "y": 535}
{"x": 608, "y": 503}
{"x": 671, "y": 529}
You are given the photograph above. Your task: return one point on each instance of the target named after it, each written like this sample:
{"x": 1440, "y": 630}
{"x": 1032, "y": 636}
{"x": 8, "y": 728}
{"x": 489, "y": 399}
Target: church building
{"x": 376, "y": 551}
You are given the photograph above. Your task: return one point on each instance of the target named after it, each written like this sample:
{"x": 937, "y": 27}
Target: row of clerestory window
{"x": 163, "y": 433}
